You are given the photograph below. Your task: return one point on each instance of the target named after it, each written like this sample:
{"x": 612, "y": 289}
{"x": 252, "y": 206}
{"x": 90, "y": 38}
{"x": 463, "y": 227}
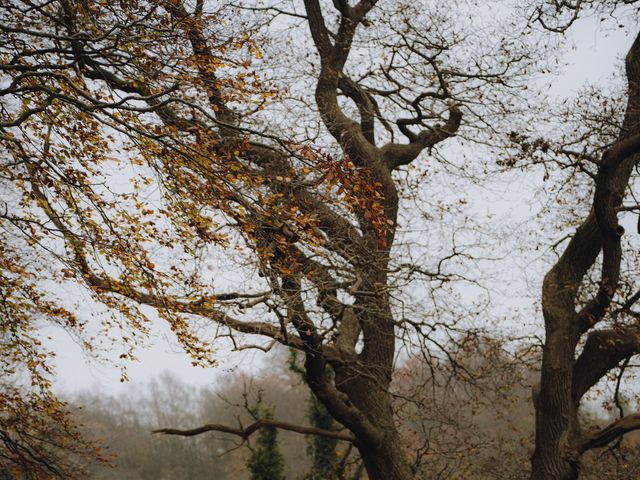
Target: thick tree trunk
{"x": 556, "y": 415}
{"x": 367, "y": 384}
{"x": 557, "y": 427}
{"x": 388, "y": 461}
{"x": 383, "y": 456}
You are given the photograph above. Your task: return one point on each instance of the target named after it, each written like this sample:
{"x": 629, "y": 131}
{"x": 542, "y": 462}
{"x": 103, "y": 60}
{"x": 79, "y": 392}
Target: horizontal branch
{"x": 603, "y": 350}
{"x": 246, "y": 432}
{"x": 611, "y": 432}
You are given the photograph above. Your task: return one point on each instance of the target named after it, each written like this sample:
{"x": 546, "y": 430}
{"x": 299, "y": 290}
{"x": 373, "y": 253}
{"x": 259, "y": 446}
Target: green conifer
{"x": 266, "y": 461}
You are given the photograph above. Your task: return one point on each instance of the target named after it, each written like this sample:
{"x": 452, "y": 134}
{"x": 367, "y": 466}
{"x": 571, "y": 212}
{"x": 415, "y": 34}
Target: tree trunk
{"x": 556, "y": 415}
{"x": 367, "y": 385}
{"x": 385, "y": 460}
{"x": 388, "y": 461}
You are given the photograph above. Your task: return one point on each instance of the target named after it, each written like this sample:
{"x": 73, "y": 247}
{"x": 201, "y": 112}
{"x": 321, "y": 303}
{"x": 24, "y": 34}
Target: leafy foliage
{"x": 38, "y": 439}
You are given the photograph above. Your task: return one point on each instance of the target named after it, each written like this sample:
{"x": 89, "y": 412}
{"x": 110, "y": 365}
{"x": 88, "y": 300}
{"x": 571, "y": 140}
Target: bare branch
{"x": 611, "y": 432}
{"x": 603, "y": 350}
{"x": 248, "y": 431}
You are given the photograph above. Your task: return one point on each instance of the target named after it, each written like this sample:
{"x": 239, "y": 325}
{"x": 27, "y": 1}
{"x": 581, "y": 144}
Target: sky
{"x": 594, "y": 57}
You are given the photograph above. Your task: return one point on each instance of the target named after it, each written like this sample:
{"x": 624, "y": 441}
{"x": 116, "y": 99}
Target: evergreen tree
{"x": 328, "y": 463}
{"x": 322, "y": 449}
{"x": 266, "y": 461}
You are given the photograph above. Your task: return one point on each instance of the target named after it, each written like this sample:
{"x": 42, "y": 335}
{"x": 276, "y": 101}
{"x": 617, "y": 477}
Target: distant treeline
{"x": 473, "y": 419}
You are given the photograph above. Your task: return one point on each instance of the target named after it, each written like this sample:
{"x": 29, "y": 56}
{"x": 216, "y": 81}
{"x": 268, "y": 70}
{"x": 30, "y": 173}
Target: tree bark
{"x": 388, "y": 462}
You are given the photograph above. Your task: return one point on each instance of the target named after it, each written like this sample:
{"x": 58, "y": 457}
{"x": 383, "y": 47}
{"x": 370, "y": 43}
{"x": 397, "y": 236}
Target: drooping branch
{"x": 203, "y": 307}
{"x": 246, "y": 432}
